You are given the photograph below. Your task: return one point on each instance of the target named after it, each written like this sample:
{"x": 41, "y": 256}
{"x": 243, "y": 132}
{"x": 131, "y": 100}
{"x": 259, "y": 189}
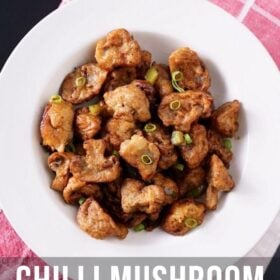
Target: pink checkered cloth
{"x": 262, "y": 17}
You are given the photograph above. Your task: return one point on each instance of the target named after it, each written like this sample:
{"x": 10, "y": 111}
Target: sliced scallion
{"x": 95, "y": 109}
{"x": 227, "y": 144}
{"x": 139, "y": 228}
{"x": 177, "y": 138}
{"x": 146, "y": 159}
{"x": 191, "y": 223}
{"x": 175, "y": 105}
{"x": 179, "y": 166}
{"x": 188, "y": 138}
{"x": 177, "y": 76}
{"x": 56, "y": 99}
{"x": 80, "y": 81}
{"x": 82, "y": 200}
{"x": 151, "y": 75}
{"x": 150, "y": 127}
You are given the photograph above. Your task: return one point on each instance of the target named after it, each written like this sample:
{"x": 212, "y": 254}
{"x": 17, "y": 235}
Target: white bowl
{"x": 240, "y": 68}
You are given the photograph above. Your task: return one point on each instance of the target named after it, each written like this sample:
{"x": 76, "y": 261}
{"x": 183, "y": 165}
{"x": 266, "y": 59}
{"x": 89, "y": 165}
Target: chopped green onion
{"x": 188, "y": 138}
{"x": 56, "y": 99}
{"x": 151, "y": 75}
{"x": 176, "y": 77}
{"x": 70, "y": 148}
{"x": 139, "y": 228}
{"x": 146, "y": 159}
{"x": 227, "y": 144}
{"x": 115, "y": 153}
{"x": 177, "y": 138}
{"x": 196, "y": 192}
{"x": 82, "y": 200}
{"x": 150, "y": 127}
{"x": 80, "y": 81}
{"x": 95, "y": 109}
{"x": 175, "y": 105}
{"x": 191, "y": 223}
{"x": 179, "y": 166}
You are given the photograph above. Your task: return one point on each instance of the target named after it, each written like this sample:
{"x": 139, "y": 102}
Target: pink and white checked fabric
{"x": 262, "y": 17}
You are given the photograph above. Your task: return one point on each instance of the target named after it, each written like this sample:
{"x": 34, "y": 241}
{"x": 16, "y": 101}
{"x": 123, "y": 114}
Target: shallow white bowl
{"x": 240, "y": 68}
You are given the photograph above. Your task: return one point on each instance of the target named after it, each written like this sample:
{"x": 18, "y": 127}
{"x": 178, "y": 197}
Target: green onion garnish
{"x": 150, "y": 127}
{"x": 82, "y": 200}
{"x": 139, "y": 228}
{"x": 179, "y": 166}
{"x": 177, "y": 138}
{"x": 196, "y": 192}
{"x": 151, "y": 75}
{"x": 70, "y": 148}
{"x": 175, "y": 105}
{"x": 80, "y": 81}
{"x": 191, "y": 223}
{"x": 55, "y": 99}
{"x": 115, "y": 153}
{"x": 146, "y": 159}
{"x": 95, "y": 109}
{"x": 188, "y": 138}
{"x": 176, "y": 77}
{"x": 227, "y": 144}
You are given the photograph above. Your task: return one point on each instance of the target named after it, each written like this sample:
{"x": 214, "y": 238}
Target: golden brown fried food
{"x": 56, "y": 125}
{"x": 119, "y": 130}
{"x": 163, "y": 83}
{"x": 141, "y": 154}
{"x": 225, "y": 118}
{"x": 182, "y": 109}
{"x": 83, "y": 83}
{"x": 87, "y": 124}
{"x": 117, "y": 49}
{"x": 183, "y": 216}
{"x": 95, "y": 167}
{"x": 195, "y": 75}
{"x": 129, "y": 103}
{"x": 143, "y": 67}
{"x": 138, "y": 197}
{"x": 193, "y": 178}
{"x": 218, "y": 176}
{"x": 148, "y": 89}
{"x": 77, "y": 189}
{"x": 194, "y": 153}
{"x": 211, "y": 198}
{"x": 97, "y": 223}
{"x": 60, "y": 164}
{"x": 161, "y": 139}
{"x": 216, "y": 146}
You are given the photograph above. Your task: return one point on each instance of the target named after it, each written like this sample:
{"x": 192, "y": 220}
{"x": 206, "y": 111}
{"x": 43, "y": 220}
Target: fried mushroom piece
{"x": 161, "y": 139}
{"x": 97, "y": 223}
{"x": 56, "y": 125}
{"x": 225, "y": 118}
{"x": 143, "y": 67}
{"x": 216, "y": 146}
{"x": 129, "y": 103}
{"x": 117, "y": 49}
{"x": 218, "y": 176}
{"x": 119, "y": 130}
{"x": 141, "y": 154}
{"x": 95, "y": 167}
{"x": 163, "y": 83}
{"x": 87, "y": 124}
{"x": 195, "y": 75}
{"x": 183, "y": 216}
{"x": 192, "y": 179}
{"x": 194, "y": 153}
{"x": 77, "y": 189}
{"x": 182, "y": 109}
{"x": 83, "y": 83}
{"x": 60, "y": 164}
{"x": 138, "y": 197}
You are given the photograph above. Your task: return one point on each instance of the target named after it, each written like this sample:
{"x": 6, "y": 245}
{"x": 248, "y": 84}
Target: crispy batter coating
{"x": 83, "y": 83}
{"x": 148, "y": 89}
{"x": 134, "y": 149}
{"x": 225, "y": 118}
{"x": 193, "y": 105}
{"x": 138, "y": 197}
{"x": 163, "y": 83}
{"x": 194, "y": 153}
{"x": 143, "y": 67}
{"x": 211, "y": 198}
{"x": 95, "y": 167}
{"x": 129, "y": 103}
{"x": 87, "y": 124}
{"x": 97, "y": 223}
{"x": 60, "y": 164}
{"x": 175, "y": 220}
{"x": 192, "y": 179}
{"x": 76, "y": 189}
{"x": 119, "y": 130}
{"x": 56, "y": 125}
{"x": 195, "y": 75}
{"x": 218, "y": 176}
{"x": 117, "y": 49}
{"x": 161, "y": 139}
{"x": 216, "y": 146}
